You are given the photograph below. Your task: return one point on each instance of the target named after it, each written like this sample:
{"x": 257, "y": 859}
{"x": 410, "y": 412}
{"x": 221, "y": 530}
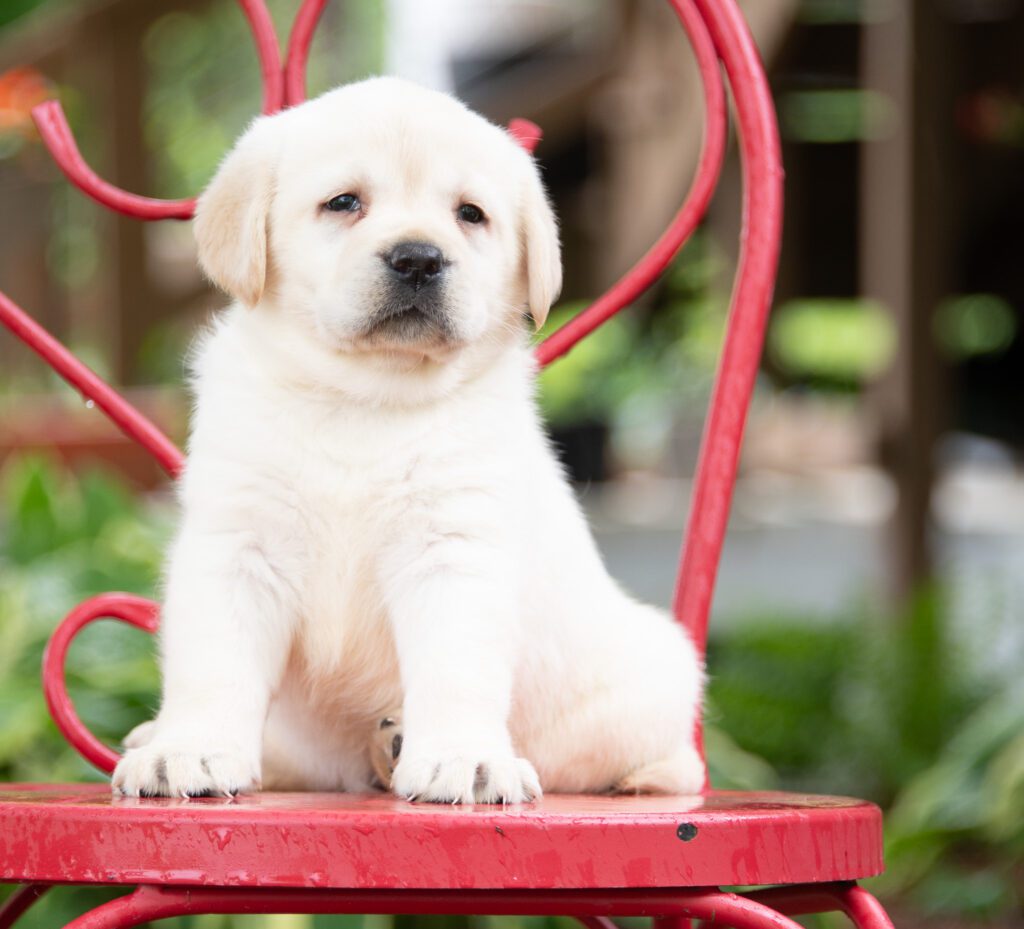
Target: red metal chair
{"x": 587, "y": 857}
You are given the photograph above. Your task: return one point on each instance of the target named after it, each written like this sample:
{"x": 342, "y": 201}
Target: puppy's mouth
{"x": 409, "y": 324}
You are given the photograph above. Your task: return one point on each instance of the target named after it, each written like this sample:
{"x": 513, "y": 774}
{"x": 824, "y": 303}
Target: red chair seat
{"x": 79, "y": 833}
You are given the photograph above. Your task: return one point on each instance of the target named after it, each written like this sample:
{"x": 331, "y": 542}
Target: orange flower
{"x": 20, "y": 90}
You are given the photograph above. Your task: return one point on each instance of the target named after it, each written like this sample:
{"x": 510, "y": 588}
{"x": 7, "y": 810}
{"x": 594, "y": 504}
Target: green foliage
{"x": 956, "y": 830}
{"x": 776, "y": 686}
{"x": 204, "y": 89}
{"x": 585, "y": 385}
{"x": 11, "y": 10}
{"x": 970, "y": 325}
{"x": 204, "y": 85}
{"x": 832, "y": 342}
{"x": 61, "y": 541}
{"x": 861, "y": 704}
{"x": 835, "y": 115}
{"x": 887, "y": 708}
{"x": 659, "y": 357}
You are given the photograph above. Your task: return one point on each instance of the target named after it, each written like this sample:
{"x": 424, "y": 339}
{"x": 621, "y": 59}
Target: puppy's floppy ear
{"x": 232, "y": 214}
{"x": 541, "y": 254}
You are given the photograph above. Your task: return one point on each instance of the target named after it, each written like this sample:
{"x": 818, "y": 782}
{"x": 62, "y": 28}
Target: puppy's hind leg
{"x": 626, "y": 707}
{"x": 681, "y": 773}
{"x": 140, "y": 735}
{"x": 385, "y": 747}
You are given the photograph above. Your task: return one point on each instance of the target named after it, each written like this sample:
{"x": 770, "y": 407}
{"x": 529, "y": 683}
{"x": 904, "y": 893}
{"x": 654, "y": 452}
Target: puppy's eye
{"x": 470, "y": 213}
{"x": 343, "y": 203}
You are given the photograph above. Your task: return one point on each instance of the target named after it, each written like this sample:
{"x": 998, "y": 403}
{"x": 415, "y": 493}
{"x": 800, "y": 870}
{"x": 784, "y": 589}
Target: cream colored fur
{"x": 373, "y": 524}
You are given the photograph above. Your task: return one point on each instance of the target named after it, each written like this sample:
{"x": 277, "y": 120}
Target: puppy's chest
{"x": 365, "y": 488}
{"x": 361, "y": 493}
{"x": 370, "y": 468}
{"x": 366, "y": 483}
{"x": 358, "y": 509}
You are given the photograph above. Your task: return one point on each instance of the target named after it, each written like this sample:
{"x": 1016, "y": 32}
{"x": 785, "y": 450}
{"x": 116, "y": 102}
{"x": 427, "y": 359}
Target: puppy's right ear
{"x": 232, "y": 215}
{"x": 541, "y": 254}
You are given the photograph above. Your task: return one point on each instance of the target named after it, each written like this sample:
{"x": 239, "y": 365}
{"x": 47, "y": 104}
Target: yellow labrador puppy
{"x": 379, "y": 555}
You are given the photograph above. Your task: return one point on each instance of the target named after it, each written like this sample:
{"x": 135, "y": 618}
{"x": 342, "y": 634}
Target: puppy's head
{"x": 387, "y": 220}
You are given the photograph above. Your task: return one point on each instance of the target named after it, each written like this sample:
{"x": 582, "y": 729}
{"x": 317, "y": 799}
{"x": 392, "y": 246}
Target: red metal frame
{"x": 653, "y": 264}
{"x": 748, "y": 314}
{"x": 91, "y": 386}
{"x": 56, "y": 133}
{"x": 719, "y": 37}
{"x": 135, "y": 611}
{"x": 666, "y": 907}
{"x": 19, "y": 901}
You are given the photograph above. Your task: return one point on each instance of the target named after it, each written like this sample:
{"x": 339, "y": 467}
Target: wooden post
{"x": 126, "y": 27}
{"x": 904, "y": 261}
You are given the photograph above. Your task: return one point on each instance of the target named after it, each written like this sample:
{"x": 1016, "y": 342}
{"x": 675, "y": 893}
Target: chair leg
{"x": 19, "y": 901}
{"x": 718, "y": 908}
{"x": 141, "y": 905}
{"x": 150, "y": 903}
{"x": 671, "y": 922}
{"x": 591, "y": 922}
{"x": 862, "y": 907}
{"x": 657, "y": 922}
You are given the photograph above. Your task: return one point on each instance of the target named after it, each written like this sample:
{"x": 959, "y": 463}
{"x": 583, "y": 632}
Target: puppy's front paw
{"x": 465, "y": 778}
{"x": 140, "y": 735}
{"x": 157, "y": 770}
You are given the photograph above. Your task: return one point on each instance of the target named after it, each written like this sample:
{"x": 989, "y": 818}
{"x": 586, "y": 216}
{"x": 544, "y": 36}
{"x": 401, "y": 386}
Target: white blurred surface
{"x": 423, "y": 38}
{"x": 814, "y": 547}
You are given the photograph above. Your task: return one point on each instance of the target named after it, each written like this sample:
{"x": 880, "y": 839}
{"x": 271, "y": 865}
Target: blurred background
{"x": 867, "y": 633}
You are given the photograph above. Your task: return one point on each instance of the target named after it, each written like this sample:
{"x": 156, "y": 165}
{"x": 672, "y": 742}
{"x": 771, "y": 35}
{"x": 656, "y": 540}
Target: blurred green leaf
{"x": 831, "y": 339}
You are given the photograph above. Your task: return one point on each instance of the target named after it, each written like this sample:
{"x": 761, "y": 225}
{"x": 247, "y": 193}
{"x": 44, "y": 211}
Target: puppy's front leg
{"x": 457, "y": 634}
{"x": 224, "y": 641}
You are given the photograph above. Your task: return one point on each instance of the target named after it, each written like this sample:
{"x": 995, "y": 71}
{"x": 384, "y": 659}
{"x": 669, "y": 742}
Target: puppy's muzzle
{"x": 416, "y": 265}
{"x": 413, "y": 304}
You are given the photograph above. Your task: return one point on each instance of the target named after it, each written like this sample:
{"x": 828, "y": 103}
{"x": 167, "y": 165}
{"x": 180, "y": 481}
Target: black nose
{"x": 415, "y": 263}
